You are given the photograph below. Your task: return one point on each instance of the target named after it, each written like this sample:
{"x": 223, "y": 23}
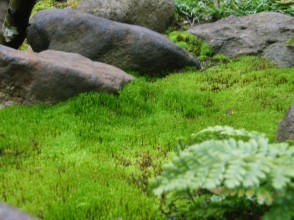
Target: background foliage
{"x": 205, "y": 10}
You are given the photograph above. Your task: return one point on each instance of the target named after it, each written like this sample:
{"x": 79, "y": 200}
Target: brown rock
{"x": 53, "y": 76}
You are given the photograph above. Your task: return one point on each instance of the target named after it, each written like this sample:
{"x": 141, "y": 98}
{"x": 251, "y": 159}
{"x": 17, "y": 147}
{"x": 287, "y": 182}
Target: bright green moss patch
{"x": 221, "y": 58}
{"x": 205, "y": 51}
{"x": 192, "y": 44}
{"x": 50, "y": 4}
{"x": 92, "y": 156}
{"x": 187, "y": 41}
{"x": 43, "y": 5}
{"x": 290, "y": 42}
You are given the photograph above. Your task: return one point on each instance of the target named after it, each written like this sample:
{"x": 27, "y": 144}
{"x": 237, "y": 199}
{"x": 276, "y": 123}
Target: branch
{"x": 13, "y": 31}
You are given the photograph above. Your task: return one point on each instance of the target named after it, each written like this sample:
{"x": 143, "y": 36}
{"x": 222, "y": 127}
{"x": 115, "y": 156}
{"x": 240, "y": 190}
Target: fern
{"x": 232, "y": 163}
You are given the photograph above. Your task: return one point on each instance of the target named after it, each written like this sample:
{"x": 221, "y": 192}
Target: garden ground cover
{"x": 92, "y": 156}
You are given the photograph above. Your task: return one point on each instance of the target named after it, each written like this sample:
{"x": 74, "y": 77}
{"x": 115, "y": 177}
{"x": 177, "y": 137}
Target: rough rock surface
{"x": 286, "y": 127}
{"x": 154, "y": 14}
{"x": 53, "y": 76}
{"x": 264, "y": 34}
{"x": 11, "y": 213}
{"x": 122, "y": 45}
{"x": 280, "y": 53}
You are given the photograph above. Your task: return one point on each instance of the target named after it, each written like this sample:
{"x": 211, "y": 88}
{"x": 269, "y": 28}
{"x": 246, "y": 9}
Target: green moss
{"x": 290, "y": 42}
{"x": 205, "y": 51}
{"x": 92, "y": 156}
{"x": 24, "y": 46}
{"x": 192, "y": 44}
{"x": 187, "y": 41}
{"x": 221, "y": 58}
{"x": 42, "y": 5}
{"x": 70, "y": 3}
{"x": 49, "y": 4}
{"x": 183, "y": 45}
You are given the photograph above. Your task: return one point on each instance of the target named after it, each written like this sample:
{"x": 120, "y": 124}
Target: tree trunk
{"x": 3, "y": 9}
{"x": 15, "y": 20}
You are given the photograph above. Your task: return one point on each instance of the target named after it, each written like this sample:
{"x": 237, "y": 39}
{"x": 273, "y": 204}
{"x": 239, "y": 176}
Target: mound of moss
{"x": 92, "y": 157}
{"x": 191, "y": 43}
{"x": 197, "y": 48}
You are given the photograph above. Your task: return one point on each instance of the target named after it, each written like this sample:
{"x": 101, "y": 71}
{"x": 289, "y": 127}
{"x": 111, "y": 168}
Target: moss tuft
{"x": 290, "y": 42}
{"x": 221, "y": 58}
{"x": 186, "y": 40}
{"x": 192, "y": 44}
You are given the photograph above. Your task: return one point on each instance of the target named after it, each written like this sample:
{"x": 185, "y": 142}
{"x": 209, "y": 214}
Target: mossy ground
{"x": 91, "y": 157}
{"x": 49, "y": 4}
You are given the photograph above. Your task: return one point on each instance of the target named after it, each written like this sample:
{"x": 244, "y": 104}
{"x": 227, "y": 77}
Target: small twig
{"x": 215, "y": 3}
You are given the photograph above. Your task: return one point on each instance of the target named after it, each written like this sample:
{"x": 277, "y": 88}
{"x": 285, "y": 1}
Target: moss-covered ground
{"x": 92, "y": 156}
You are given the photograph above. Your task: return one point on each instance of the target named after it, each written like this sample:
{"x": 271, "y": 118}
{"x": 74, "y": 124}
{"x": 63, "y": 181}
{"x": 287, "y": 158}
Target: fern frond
{"x": 233, "y": 163}
{"x": 229, "y": 163}
{"x": 229, "y": 131}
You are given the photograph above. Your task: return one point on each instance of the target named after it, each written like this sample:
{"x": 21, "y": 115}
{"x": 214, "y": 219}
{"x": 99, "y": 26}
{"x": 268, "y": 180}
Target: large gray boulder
{"x": 286, "y": 126}
{"x": 53, "y": 76}
{"x": 125, "y": 46}
{"x": 265, "y": 34}
{"x": 154, "y": 14}
{"x": 10, "y": 213}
